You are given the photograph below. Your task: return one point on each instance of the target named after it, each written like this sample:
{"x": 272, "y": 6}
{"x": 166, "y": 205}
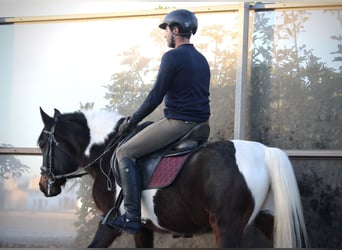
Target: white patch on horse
{"x": 147, "y": 206}
{"x": 100, "y": 123}
{"x": 251, "y": 163}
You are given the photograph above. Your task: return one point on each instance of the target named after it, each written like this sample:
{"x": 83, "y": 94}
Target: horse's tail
{"x": 289, "y": 225}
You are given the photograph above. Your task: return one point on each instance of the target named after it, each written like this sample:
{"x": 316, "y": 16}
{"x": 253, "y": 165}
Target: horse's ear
{"x": 47, "y": 120}
{"x": 57, "y": 113}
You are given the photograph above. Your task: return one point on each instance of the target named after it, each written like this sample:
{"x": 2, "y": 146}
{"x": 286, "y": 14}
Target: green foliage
{"x": 220, "y": 50}
{"x": 295, "y": 98}
{"x": 88, "y": 214}
{"x": 337, "y": 37}
{"x": 87, "y": 106}
{"x": 129, "y": 87}
{"x": 10, "y": 166}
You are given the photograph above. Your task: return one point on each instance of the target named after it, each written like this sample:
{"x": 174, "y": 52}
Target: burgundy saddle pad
{"x": 166, "y": 171}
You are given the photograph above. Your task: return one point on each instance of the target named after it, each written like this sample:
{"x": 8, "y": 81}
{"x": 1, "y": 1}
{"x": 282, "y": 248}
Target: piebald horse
{"x": 222, "y": 187}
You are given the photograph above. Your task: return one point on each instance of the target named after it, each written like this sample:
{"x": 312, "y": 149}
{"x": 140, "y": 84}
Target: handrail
{"x": 327, "y": 154}
{"x": 113, "y": 15}
{"x": 330, "y": 154}
{"x": 295, "y": 5}
{"x": 258, "y": 6}
{"x": 19, "y": 151}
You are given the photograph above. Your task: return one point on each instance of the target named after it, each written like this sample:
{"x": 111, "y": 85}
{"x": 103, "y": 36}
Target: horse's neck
{"x": 100, "y": 123}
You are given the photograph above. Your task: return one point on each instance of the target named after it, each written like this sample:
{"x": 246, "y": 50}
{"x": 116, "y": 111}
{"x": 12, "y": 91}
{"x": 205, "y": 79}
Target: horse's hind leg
{"x": 264, "y": 222}
{"x": 231, "y": 217}
{"x": 228, "y": 231}
{"x": 232, "y": 210}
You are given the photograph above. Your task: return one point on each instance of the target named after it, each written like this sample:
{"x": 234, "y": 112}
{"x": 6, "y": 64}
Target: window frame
{"x": 244, "y": 10}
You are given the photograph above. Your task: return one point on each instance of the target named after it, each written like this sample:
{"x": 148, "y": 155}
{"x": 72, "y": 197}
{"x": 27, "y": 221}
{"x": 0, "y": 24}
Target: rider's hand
{"x": 125, "y": 126}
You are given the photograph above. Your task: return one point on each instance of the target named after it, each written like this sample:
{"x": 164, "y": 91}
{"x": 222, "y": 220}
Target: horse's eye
{"x": 42, "y": 140}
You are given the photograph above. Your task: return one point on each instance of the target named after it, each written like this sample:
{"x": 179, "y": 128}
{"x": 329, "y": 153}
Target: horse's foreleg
{"x": 104, "y": 237}
{"x": 144, "y": 239}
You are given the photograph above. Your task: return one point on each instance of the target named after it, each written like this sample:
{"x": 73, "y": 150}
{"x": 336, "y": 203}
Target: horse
{"x": 223, "y": 186}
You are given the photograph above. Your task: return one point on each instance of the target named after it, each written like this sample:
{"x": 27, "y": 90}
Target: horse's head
{"x": 62, "y": 141}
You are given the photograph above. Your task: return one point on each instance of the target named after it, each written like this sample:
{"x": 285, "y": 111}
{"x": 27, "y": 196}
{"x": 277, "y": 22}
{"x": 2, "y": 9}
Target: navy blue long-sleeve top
{"x": 183, "y": 83}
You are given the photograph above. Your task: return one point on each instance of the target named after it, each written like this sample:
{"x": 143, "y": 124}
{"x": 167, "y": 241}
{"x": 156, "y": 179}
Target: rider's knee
{"x": 123, "y": 152}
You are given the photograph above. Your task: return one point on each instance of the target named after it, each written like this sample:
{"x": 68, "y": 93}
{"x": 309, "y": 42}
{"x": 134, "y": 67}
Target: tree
{"x": 219, "y": 47}
{"x": 130, "y": 86}
{"x": 87, "y": 106}
{"x": 295, "y": 100}
{"x": 11, "y": 166}
{"x": 88, "y": 214}
{"x": 337, "y": 37}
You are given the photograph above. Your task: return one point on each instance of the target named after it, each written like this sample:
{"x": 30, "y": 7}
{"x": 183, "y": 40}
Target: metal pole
{"x": 241, "y": 74}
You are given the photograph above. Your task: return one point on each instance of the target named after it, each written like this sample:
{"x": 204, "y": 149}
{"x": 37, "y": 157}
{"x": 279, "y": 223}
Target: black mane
{"x": 72, "y": 128}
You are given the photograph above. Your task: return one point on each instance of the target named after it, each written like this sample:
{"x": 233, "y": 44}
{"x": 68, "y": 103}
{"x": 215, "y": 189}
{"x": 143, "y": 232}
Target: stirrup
{"x": 114, "y": 209}
{"x": 131, "y": 226}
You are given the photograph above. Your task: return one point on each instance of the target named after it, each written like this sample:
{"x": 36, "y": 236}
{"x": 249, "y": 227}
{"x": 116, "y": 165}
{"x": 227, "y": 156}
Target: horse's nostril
{"x": 42, "y": 189}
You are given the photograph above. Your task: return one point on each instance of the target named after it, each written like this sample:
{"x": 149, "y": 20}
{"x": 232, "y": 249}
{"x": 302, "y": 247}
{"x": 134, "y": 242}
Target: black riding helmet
{"x": 184, "y": 18}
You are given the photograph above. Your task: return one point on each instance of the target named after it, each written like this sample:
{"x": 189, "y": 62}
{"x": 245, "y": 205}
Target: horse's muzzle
{"x": 49, "y": 186}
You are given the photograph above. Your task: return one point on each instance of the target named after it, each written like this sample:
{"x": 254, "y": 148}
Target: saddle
{"x": 158, "y": 169}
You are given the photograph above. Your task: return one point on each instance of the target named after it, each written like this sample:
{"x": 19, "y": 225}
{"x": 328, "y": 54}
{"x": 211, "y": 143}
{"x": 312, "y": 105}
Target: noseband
{"x": 48, "y": 170}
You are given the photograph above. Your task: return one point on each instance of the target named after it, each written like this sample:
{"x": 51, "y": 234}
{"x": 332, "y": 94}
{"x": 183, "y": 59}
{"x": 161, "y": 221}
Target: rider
{"x": 183, "y": 83}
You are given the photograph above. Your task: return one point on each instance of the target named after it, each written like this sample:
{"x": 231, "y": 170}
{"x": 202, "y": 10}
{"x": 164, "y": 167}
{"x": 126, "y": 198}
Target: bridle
{"x": 48, "y": 170}
{"x": 52, "y": 143}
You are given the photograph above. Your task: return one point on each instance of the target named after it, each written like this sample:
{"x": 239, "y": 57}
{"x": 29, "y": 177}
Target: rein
{"x": 112, "y": 143}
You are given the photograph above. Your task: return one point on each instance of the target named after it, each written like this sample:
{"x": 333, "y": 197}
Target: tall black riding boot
{"x": 130, "y": 221}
